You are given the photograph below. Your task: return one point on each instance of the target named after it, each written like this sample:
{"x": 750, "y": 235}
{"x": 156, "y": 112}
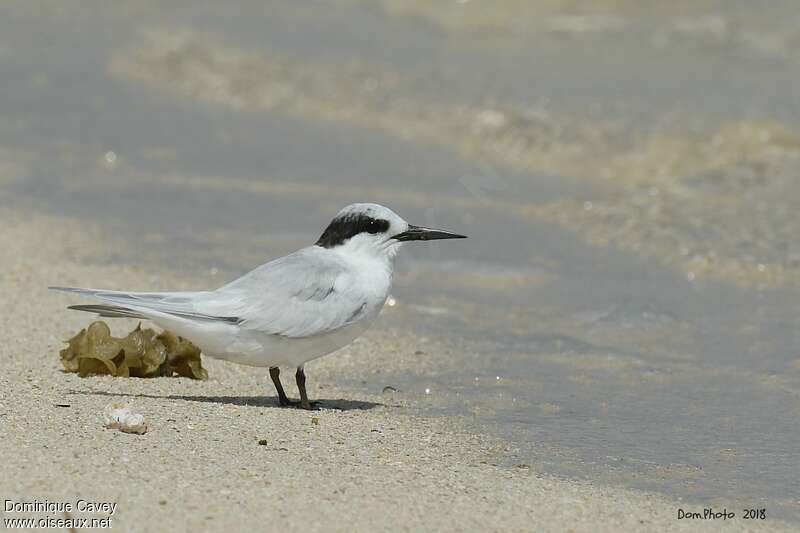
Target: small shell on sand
{"x": 119, "y": 416}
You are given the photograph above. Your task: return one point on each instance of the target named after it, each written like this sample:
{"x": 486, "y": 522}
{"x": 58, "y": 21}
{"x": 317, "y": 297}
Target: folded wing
{"x": 303, "y": 294}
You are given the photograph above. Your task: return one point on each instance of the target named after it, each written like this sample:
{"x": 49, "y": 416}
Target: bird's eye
{"x": 377, "y": 226}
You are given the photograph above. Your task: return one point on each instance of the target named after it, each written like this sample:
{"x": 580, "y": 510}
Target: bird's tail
{"x": 109, "y": 311}
{"x": 146, "y": 305}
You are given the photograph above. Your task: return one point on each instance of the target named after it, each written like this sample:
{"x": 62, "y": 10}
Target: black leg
{"x": 300, "y": 376}
{"x": 275, "y": 374}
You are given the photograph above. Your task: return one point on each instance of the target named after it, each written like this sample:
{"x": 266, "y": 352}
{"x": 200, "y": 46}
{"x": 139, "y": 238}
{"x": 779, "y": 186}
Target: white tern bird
{"x": 291, "y": 310}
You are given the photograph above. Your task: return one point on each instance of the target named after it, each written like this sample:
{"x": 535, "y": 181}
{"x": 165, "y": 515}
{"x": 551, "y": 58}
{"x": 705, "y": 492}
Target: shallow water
{"x": 627, "y": 183}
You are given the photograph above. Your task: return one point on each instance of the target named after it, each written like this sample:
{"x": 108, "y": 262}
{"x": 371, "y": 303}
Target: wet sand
{"x": 362, "y": 462}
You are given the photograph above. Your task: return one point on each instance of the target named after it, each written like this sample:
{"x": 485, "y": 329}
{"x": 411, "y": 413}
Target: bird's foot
{"x": 310, "y": 406}
{"x": 286, "y": 402}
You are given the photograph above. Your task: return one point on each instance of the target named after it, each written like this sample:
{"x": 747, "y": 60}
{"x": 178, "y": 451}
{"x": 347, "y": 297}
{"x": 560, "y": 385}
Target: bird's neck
{"x": 374, "y": 264}
{"x": 366, "y": 260}
{"x": 369, "y": 253}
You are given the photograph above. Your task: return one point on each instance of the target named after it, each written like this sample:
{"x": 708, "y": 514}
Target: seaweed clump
{"x": 142, "y": 353}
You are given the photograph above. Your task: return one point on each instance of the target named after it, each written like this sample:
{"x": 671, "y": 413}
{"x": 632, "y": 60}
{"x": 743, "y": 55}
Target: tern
{"x": 291, "y": 310}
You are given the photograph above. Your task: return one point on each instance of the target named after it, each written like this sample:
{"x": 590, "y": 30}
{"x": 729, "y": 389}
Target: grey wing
{"x": 142, "y": 304}
{"x": 307, "y": 293}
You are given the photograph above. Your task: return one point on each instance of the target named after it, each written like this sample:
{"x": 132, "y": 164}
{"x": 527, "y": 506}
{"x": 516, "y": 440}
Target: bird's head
{"x": 375, "y": 230}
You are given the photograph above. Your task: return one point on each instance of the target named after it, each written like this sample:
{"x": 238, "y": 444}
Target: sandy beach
{"x": 613, "y": 347}
{"x": 360, "y": 463}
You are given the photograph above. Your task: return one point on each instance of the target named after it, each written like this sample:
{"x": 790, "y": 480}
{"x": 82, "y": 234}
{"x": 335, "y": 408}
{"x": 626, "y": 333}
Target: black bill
{"x": 419, "y": 233}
